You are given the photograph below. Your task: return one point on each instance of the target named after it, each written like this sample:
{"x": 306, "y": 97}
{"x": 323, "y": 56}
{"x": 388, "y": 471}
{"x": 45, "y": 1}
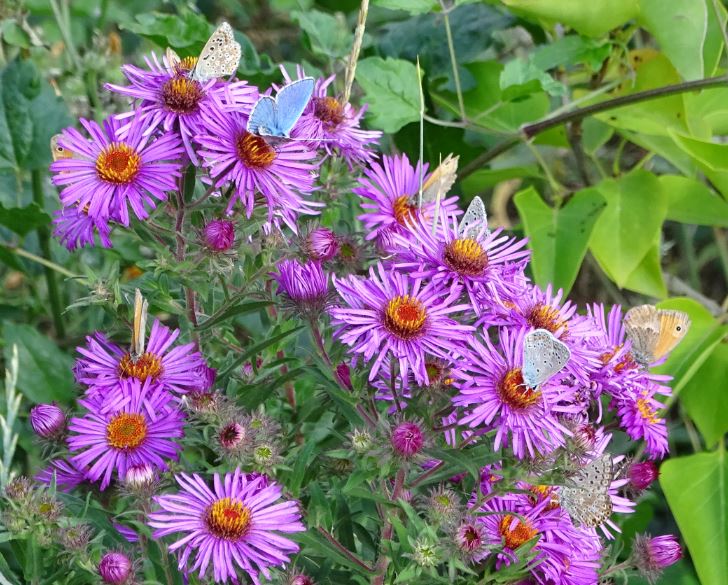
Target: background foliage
{"x": 623, "y": 205}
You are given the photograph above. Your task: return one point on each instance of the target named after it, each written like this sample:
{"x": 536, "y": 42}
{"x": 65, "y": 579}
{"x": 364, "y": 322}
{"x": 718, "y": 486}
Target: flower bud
{"x": 653, "y": 554}
{"x": 231, "y": 436}
{"x": 361, "y": 441}
{"x": 425, "y": 554}
{"x": 469, "y": 538}
{"x": 321, "y": 244}
{"x": 343, "y": 376}
{"x": 76, "y": 538}
{"x": 47, "y": 420}
{"x": 407, "y": 439}
{"x": 219, "y": 235}
{"x": 140, "y": 477}
{"x": 115, "y": 568}
{"x": 19, "y": 489}
{"x": 305, "y": 287}
{"x": 641, "y": 475}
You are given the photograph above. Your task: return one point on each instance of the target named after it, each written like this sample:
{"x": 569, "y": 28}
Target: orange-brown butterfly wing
{"x": 57, "y": 151}
{"x": 674, "y": 325}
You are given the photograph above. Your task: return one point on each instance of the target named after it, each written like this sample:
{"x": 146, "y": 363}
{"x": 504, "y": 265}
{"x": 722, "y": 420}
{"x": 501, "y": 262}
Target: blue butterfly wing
{"x": 292, "y": 100}
{"x": 263, "y": 119}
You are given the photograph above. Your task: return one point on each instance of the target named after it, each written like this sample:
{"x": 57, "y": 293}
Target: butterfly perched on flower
{"x": 220, "y": 56}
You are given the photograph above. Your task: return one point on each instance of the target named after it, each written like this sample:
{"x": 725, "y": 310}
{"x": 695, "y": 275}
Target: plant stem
{"x": 355, "y": 49}
{"x": 453, "y": 60}
{"x": 47, "y": 263}
{"x": 531, "y": 130}
{"x": 319, "y": 341}
{"x": 722, "y": 244}
{"x": 387, "y": 531}
{"x": 44, "y": 238}
{"x": 690, "y": 260}
{"x": 345, "y": 551}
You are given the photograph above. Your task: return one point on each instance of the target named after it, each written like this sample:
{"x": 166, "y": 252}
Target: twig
{"x": 387, "y": 531}
{"x": 453, "y": 59}
{"x": 345, "y": 551}
{"x": 355, "y": 49}
{"x": 680, "y": 287}
{"x": 531, "y": 130}
{"x": 44, "y": 238}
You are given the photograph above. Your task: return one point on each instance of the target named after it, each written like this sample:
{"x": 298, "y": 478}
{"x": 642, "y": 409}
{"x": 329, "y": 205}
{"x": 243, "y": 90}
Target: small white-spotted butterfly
{"x": 474, "y": 221}
{"x": 543, "y": 356}
{"x": 220, "y": 56}
{"x": 587, "y": 499}
{"x": 654, "y": 332}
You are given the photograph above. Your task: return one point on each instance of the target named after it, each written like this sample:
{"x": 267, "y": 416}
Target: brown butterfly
{"x": 139, "y": 332}
{"x": 441, "y": 180}
{"x": 58, "y": 152}
{"x": 654, "y": 332}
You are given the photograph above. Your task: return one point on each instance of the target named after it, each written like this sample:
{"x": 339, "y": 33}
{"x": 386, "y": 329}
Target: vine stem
{"x": 44, "y": 238}
{"x": 387, "y": 531}
{"x": 528, "y": 131}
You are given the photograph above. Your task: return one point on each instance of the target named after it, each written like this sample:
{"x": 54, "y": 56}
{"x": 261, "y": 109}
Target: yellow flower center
{"x": 118, "y": 163}
{"x": 329, "y": 111}
{"x": 546, "y": 317}
{"x": 186, "y": 64}
{"x": 254, "y": 152}
{"x": 405, "y": 317}
{"x": 181, "y": 94}
{"x": 466, "y": 257}
{"x": 514, "y": 392}
{"x": 405, "y": 211}
{"x": 515, "y": 532}
{"x": 228, "y": 519}
{"x": 646, "y": 411}
{"x": 141, "y": 368}
{"x": 126, "y": 430}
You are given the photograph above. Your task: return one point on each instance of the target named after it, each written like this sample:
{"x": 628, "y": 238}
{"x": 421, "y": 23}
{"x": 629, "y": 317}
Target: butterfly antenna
{"x": 422, "y": 131}
{"x": 355, "y": 49}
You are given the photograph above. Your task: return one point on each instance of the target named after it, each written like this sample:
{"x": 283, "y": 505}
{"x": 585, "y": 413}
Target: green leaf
{"x": 647, "y": 277}
{"x": 22, "y": 220}
{"x": 680, "y": 27}
{"x": 179, "y": 31}
{"x": 257, "y": 348}
{"x": 630, "y": 225}
{"x": 411, "y": 6}
{"x": 558, "y": 237}
{"x": 692, "y": 201}
{"x": 523, "y": 77}
{"x": 316, "y": 544}
{"x": 570, "y": 50}
{"x": 483, "y": 179}
{"x": 392, "y": 91}
{"x": 327, "y": 35}
{"x": 45, "y": 372}
{"x": 696, "y": 488}
{"x": 594, "y": 18}
{"x": 705, "y": 399}
{"x": 234, "y": 311}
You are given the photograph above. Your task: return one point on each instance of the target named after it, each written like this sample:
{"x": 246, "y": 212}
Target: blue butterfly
{"x": 275, "y": 117}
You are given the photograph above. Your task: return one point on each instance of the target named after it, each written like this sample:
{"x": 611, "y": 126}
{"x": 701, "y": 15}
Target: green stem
{"x": 531, "y": 130}
{"x": 47, "y": 263}
{"x": 722, "y": 244}
{"x": 453, "y": 60}
{"x": 691, "y": 262}
{"x": 44, "y": 237}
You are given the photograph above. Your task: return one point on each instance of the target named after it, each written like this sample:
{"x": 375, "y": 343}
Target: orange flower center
{"x": 542, "y": 492}
{"x": 228, "y": 519}
{"x": 186, "y": 64}
{"x": 118, "y": 163}
{"x": 466, "y": 257}
{"x": 646, "y": 411}
{"x": 607, "y": 356}
{"x": 141, "y": 368}
{"x": 405, "y": 317}
{"x": 626, "y": 363}
{"x": 405, "y": 211}
{"x": 546, "y": 317}
{"x": 514, "y": 392}
{"x": 515, "y": 532}
{"x": 254, "y": 152}
{"x": 181, "y": 94}
{"x": 126, "y": 430}
{"x": 329, "y": 111}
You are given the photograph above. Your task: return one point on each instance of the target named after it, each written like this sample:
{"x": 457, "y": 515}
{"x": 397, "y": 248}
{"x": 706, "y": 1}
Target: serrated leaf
{"x": 22, "y": 220}
{"x": 558, "y": 237}
{"x": 392, "y": 92}
{"x": 522, "y": 77}
{"x": 328, "y": 35}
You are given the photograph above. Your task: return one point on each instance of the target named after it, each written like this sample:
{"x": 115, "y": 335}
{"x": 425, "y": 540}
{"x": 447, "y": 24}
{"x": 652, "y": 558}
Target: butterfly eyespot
{"x": 679, "y": 328}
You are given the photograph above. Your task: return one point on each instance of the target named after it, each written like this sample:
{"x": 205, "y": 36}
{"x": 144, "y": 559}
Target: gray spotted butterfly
{"x": 543, "y": 356}
{"x": 587, "y": 501}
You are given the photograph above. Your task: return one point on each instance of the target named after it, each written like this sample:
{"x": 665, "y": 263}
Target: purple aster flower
{"x": 140, "y": 477}
{"x": 564, "y": 554}
{"x": 642, "y": 474}
{"x": 333, "y": 126}
{"x": 103, "y": 364}
{"x": 66, "y": 474}
{"x": 234, "y": 526}
{"x": 304, "y": 286}
{"x": 219, "y": 235}
{"x": 638, "y": 417}
{"x": 280, "y": 174}
{"x": 136, "y": 424}
{"x": 109, "y": 173}
{"x": 392, "y": 187}
{"x": 170, "y": 99}
{"x": 492, "y": 390}
{"x": 321, "y": 244}
{"x": 407, "y": 439}
{"x": 489, "y": 265}
{"x": 47, "y": 420}
{"x": 651, "y": 555}
{"x": 115, "y": 568}
{"x": 75, "y": 229}
{"x": 391, "y": 314}
{"x": 129, "y": 534}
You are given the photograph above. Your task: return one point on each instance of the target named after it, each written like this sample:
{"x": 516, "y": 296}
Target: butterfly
{"x": 439, "y": 183}
{"x": 654, "y": 332}
{"x": 276, "y": 117}
{"x": 220, "y": 56}
{"x": 474, "y": 220}
{"x": 58, "y": 152}
{"x": 139, "y": 331}
{"x": 543, "y": 356}
{"x": 587, "y": 501}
